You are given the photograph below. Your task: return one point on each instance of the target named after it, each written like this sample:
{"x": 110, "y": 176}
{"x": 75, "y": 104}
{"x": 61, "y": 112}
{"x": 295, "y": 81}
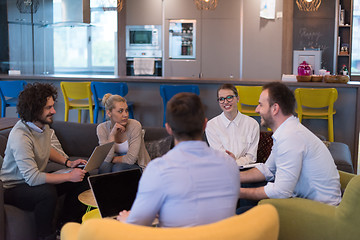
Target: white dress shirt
{"x": 239, "y": 136}
{"x": 300, "y": 166}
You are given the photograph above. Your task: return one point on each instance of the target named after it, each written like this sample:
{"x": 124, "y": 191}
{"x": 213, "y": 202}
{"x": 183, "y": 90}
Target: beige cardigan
{"x": 137, "y": 152}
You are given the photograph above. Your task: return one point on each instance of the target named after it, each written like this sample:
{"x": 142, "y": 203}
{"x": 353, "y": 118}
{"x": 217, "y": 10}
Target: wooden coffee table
{"x": 88, "y": 199}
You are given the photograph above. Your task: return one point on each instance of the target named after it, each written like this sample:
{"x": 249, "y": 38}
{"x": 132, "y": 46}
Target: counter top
{"x": 151, "y": 79}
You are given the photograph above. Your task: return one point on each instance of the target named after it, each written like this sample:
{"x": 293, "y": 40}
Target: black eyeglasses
{"x": 228, "y": 98}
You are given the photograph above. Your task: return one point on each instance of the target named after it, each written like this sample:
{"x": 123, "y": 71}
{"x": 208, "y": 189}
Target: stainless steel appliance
{"x": 143, "y": 41}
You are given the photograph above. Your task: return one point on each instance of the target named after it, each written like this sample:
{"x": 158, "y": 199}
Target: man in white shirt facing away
{"x": 231, "y": 131}
{"x": 300, "y": 165}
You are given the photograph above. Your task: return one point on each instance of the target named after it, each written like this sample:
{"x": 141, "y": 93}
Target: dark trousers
{"x": 107, "y": 167}
{"x": 246, "y": 204}
{"x": 42, "y": 201}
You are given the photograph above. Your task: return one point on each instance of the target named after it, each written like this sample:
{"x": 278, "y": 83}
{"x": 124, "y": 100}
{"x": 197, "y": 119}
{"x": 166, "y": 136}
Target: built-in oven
{"x": 130, "y": 71}
{"x": 143, "y": 41}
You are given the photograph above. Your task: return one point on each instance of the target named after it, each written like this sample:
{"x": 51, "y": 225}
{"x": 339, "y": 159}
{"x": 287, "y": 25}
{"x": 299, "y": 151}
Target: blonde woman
{"x": 129, "y": 148}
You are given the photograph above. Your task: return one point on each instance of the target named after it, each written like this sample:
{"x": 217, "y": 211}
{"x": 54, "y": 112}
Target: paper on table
{"x": 249, "y": 165}
{"x": 288, "y": 78}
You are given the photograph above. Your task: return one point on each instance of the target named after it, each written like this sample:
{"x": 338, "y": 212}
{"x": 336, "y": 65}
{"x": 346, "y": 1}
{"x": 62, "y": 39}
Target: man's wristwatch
{"x": 68, "y": 159}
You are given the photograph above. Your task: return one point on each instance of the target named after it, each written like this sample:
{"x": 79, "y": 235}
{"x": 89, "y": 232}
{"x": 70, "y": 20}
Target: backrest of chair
{"x": 348, "y": 211}
{"x": 244, "y": 226}
{"x": 316, "y": 97}
{"x": 11, "y": 88}
{"x": 99, "y": 89}
{"x": 76, "y": 90}
{"x": 168, "y": 91}
{"x": 249, "y": 95}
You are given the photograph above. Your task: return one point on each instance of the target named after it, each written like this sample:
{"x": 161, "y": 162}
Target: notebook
{"x": 115, "y": 192}
{"x": 252, "y": 165}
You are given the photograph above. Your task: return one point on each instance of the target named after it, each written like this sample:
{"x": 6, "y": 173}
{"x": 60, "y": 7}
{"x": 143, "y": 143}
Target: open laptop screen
{"x": 115, "y": 192}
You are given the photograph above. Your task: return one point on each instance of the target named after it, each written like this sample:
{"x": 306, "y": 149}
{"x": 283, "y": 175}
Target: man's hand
{"x": 77, "y": 175}
{"x": 123, "y": 215}
{"x": 76, "y": 163}
{"x": 230, "y": 154}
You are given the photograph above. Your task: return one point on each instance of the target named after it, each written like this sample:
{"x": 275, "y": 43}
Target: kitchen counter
{"x": 151, "y": 79}
{"x": 148, "y": 105}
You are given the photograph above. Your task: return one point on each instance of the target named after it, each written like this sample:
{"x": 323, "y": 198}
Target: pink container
{"x": 304, "y": 69}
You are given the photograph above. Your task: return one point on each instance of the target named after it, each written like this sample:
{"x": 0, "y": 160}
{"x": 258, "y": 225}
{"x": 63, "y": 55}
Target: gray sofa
{"x": 78, "y": 141}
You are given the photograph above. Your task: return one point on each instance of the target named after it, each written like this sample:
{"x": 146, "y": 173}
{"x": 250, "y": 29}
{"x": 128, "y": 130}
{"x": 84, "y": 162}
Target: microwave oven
{"x": 143, "y": 37}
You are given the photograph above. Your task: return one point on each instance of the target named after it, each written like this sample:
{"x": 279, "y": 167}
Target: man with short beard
{"x": 27, "y": 185}
{"x": 300, "y": 165}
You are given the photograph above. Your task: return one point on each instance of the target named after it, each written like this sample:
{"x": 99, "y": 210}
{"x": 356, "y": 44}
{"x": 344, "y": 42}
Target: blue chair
{"x": 9, "y": 92}
{"x": 168, "y": 91}
{"x": 99, "y": 89}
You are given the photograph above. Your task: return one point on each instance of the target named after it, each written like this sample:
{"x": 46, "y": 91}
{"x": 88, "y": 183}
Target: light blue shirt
{"x": 190, "y": 185}
{"x": 300, "y": 166}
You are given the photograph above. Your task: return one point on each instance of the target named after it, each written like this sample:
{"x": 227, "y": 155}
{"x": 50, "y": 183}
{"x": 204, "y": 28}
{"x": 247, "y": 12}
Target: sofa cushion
{"x": 77, "y": 139}
{"x": 264, "y": 146}
{"x": 19, "y": 224}
{"x": 159, "y": 147}
{"x": 3, "y": 142}
{"x": 342, "y": 156}
{"x": 154, "y": 133}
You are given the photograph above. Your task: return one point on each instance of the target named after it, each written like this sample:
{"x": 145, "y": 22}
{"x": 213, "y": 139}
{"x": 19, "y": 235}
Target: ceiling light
{"x": 206, "y": 4}
{"x": 308, "y": 5}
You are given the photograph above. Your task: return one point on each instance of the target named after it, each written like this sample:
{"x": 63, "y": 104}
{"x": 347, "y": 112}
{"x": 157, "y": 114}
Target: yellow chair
{"x": 312, "y": 220}
{"x": 248, "y": 99}
{"x": 245, "y": 226}
{"x": 317, "y": 103}
{"x": 77, "y": 95}
{"x": 92, "y": 214}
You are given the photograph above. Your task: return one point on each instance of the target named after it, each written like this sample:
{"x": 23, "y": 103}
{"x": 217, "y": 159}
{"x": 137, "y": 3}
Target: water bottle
{"x": 344, "y": 70}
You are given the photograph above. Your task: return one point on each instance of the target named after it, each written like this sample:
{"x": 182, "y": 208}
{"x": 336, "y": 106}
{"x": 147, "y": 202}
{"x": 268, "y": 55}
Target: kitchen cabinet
{"x": 343, "y": 25}
{"x": 143, "y": 12}
{"x": 215, "y": 44}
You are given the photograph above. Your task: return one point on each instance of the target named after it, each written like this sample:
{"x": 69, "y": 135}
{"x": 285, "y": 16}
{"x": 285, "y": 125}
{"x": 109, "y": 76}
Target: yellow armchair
{"x": 306, "y": 219}
{"x": 244, "y": 226}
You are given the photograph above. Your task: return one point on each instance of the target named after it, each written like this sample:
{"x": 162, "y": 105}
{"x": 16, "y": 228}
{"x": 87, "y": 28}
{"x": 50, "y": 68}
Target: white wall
{"x": 262, "y": 43}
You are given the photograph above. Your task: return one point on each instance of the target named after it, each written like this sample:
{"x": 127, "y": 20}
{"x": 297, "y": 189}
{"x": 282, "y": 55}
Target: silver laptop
{"x": 96, "y": 159}
{"x": 115, "y": 192}
{"x": 98, "y": 156}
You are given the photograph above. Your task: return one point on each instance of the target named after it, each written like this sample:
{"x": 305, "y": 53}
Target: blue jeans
{"x": 107, "y": 167}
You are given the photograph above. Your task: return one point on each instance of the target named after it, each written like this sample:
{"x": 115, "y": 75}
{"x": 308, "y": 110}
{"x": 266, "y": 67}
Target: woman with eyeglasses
{"x": 129, "y": 148}
{"x": 232, "y": 131}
